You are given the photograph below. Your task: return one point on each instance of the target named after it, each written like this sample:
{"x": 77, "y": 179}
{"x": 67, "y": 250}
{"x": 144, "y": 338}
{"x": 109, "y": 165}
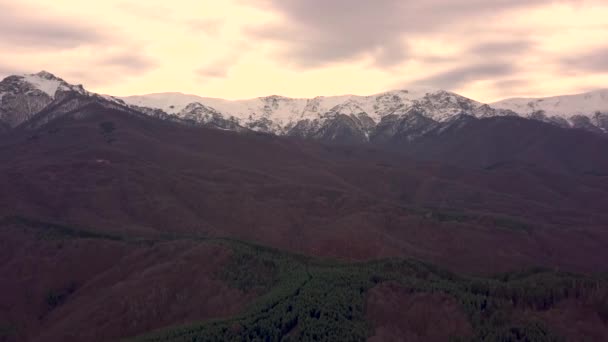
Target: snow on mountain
{"x": 587, "y": 111}
{"x": 24, "y": 96}
{"x": 43, "y": 82}
{"x": 404, "y": 113}
{"x": 408, "y": 113}
{"x": 49, "y": 84}
{"x": 284, "y": 113}
{"x": 281, "y": 108}
{"x": 360, "y": 118}
{"x": 565, "y": 106}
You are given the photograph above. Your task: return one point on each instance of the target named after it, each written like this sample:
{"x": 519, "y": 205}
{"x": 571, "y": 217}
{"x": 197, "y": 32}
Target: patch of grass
{"x": 446, "y": 216}
{"x": 52, "y": 231}
{"x": 56, "y": 298}
{"x": 7, "y": 331}
{"x": 511, "y": 223}
{"x": 464, "y": 217}
{"x": 249, "y": 272}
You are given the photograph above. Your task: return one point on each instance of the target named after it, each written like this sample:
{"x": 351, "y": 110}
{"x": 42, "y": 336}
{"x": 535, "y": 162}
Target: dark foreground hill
{"x": 108, "y": 214}
{"x": 67, "y": 284}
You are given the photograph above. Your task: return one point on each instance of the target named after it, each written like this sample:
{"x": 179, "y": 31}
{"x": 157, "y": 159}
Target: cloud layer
{"x": 25, "y": 28}
{"x": 595, "y": 61}
{"x": 313, "y": 33}
{"x": 244, "y": 48}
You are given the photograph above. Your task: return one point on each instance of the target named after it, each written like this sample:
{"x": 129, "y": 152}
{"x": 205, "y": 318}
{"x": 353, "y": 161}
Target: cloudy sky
{"x": 484, "y": 49}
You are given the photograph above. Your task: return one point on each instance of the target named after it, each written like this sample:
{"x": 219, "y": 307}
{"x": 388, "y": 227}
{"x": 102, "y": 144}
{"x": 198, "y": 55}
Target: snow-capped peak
{"x": 45, "y": 82}
{"x": 47, "y": 75}
{"x": 23, "y": 96}
{"x": 49, "y": 83}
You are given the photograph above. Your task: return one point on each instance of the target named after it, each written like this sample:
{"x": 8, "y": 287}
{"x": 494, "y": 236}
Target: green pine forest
{"x": 310, "y": 299}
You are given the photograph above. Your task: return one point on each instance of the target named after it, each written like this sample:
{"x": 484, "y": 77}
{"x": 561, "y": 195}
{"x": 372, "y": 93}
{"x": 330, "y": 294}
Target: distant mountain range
{"x": 401, "y": 114}
{"x": 361, "y": 118}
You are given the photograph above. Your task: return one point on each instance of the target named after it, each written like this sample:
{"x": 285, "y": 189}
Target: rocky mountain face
{"x": 74, "y": 104}
{"x": 200, "y": 114}
{"x": 21, "y": 97}
{"x": 31, "y": 101}
{"x": 403, "y": 114}
{"x": 403, "y": 125}
{"x": 395, "y": 116}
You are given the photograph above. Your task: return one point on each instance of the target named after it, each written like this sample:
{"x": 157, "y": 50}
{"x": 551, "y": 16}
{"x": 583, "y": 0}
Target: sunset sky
{"x": 483, "y": 49}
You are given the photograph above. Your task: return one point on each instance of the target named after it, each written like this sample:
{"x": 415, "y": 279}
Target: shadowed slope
{"x": 503, "y": 141}
{"x": 127, "y": 173}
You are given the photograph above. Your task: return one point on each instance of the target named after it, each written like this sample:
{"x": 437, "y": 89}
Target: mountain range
{"x": 402, "y": 114}
{"x": 173, "y": 218}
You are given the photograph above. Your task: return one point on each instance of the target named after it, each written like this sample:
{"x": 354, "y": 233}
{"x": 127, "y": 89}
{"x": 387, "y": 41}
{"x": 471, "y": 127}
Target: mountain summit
{"x": 23, "y": 96}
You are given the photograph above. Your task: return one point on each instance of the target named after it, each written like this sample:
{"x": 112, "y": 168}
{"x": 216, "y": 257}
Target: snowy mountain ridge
{"x": 565, "y": 106}
{"x": 285, "y": 108}
{"x": 587, "y": 110}
{"x": 284, "y": 113}
{"x": 404, "y": 113}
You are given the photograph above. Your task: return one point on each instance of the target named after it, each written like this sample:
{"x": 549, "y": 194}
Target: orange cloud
{"x": 302, "y": 48}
